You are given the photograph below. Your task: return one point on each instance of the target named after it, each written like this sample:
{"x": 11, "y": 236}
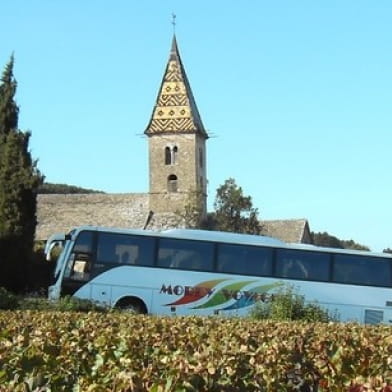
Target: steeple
{"x": 175, "y": 109}
{"x": 177, "y": 146}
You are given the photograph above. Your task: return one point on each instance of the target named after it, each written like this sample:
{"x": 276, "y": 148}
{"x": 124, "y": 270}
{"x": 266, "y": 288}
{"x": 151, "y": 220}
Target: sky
{"x": 296, "y": 96}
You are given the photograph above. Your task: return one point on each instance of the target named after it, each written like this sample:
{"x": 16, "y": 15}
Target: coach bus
{"x": 197, "y": 272}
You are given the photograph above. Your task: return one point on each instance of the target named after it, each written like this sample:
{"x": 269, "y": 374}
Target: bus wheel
{"x": 132, "y": 305}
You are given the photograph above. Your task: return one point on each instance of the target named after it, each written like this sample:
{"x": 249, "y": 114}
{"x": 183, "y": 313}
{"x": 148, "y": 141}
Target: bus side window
{"x": 185, "y": 254}
{"x": 79, "y": 263}
{"x": 293, "y": 268}
{"x": 117, "y": 248}
{"x": 298, "y": 264}
{"x": 288, "y": 265}
{"x": 84, "y": 242}
{"x": 125, "y": 258}
{"x": 246, "y": 260}
{"x": 166, "y": 258}
{"x": 365, "y": 270}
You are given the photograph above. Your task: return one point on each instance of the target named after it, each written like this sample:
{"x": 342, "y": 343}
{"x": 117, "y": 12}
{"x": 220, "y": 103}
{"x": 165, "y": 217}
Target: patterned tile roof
{"x": 175, "y": 110}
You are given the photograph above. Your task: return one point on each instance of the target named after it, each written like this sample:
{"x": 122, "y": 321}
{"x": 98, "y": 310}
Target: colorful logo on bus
{"x": 223, "y": 294}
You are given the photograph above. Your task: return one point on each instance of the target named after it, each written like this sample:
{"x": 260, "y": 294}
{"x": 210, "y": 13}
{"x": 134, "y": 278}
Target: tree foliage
{"x": 192, "y": 214}
{"x": 327, "y": 240}
{"x": 288, "y": 305}
{"x": 8, "y": 109}
{"x": 19, "y": 180}
{"x": 68, "y": 351}
{"x": 234, "y": 211}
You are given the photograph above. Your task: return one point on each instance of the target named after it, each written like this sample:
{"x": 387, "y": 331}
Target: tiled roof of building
{"x": 287, "y": 230}
{"x": 175, "y": 109}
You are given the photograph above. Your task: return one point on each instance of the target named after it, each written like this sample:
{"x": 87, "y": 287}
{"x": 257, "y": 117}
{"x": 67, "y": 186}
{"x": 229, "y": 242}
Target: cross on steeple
{"x": 173, "y": 22}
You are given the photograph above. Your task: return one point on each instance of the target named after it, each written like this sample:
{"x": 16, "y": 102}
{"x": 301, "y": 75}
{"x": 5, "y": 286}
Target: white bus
{"x": 196, "y": 272}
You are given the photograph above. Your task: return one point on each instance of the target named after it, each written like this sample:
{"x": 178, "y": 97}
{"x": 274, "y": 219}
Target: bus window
{"x": 79, "y": 262}
{"x": 81, "y": 265}
{"x": 84, "y": 242}
{"x": 246, "y": 260}
{"x": 364, "y": 270}
{"x": 298, "y": 264}
{"x": 117, "y": 249}
{"x": 184, "y": 254}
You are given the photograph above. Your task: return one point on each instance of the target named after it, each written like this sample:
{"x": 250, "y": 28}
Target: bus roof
{"x": 338, "y": 250}
{"x": 231, "y": 238}
{"x": 221, "y": 236}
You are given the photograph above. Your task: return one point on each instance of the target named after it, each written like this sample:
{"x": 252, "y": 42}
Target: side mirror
{"x": 48, "y": 251}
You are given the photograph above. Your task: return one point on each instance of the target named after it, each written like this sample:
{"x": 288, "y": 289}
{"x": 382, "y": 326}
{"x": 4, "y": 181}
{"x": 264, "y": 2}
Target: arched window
{"x": 171, "y": 155}
{"x": 174, "y": 155}
{"x": 167, "y": 156}
{"x": 172, "y": 183}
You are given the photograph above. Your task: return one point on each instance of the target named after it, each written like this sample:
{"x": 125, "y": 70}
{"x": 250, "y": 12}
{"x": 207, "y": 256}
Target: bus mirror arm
{"x": 49, "y": 251}
{"x": 56, "y": 239}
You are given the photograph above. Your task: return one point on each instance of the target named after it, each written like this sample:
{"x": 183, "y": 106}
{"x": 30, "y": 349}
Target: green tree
{"x": 8, "y": 109}
{"x": 19, "y": 181}
{"x": 330, "y": 241}
{"x": 234, "y": 212}
{"x": 326, "y": 240}
{"x": 192, "y": 215}
{"x": 387, "y": 250}
{"x": 350, "y": 244}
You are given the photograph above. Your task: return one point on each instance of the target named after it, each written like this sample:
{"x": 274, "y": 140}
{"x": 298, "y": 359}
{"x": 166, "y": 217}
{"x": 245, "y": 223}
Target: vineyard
{"x": 69, "y": 351}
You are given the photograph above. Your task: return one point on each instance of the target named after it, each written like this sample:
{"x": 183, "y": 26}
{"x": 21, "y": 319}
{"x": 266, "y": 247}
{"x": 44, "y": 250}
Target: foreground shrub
{"x": 8, "y": 300}
{"x": 288, "y": 305}
{"x": 55, "y": 351}
{"x": 64, "y": 304}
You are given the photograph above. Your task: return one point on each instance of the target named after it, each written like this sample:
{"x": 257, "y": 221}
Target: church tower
{"x": 177, "y": 144}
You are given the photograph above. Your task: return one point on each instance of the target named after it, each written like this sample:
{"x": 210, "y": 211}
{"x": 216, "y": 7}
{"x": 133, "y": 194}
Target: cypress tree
{"x": 8, "y": 109}
{"x": 19, "y": 181}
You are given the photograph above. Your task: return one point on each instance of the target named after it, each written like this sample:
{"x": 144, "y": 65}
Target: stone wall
{"x": 60, "y": 213}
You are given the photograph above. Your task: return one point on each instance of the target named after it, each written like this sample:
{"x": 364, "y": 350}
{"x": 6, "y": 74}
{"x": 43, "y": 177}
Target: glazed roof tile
{"x": 175, "y": 110}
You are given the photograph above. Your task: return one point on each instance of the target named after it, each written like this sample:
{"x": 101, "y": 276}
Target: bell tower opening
{"x": 171, "y": 155}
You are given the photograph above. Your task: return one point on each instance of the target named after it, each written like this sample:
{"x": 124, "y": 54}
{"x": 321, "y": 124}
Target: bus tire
{"x": 132, "y": 305}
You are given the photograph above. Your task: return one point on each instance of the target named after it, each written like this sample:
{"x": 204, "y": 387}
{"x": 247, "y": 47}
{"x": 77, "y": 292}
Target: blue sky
{"x": 295, "y": 94}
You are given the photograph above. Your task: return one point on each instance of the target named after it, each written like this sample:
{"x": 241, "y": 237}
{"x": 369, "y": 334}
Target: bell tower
{"x": 177, "y": 144}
